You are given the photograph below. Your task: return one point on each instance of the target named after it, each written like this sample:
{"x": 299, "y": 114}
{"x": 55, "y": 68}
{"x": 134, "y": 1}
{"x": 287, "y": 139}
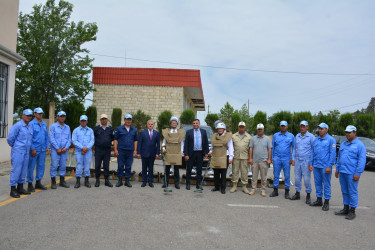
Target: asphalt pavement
{"x": 148, "y": 218}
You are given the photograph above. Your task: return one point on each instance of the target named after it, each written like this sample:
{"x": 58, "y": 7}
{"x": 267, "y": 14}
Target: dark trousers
{"x": 124, "y": 158}
{"x": 220, "y": 177}
{"x": 176, "y": 173}
{"x": 102, "y": 155}
{"x": 148, "y": 169}
{"x": 196, "y": 157}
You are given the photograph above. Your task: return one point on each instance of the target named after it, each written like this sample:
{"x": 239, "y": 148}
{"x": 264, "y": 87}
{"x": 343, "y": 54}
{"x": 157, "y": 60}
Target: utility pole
{"x": 208, "y": 108}
{"x": 248, "y": 106}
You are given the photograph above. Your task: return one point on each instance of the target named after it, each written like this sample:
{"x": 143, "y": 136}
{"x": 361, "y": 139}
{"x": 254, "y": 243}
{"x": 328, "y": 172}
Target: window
{"x": 3, "y": 100}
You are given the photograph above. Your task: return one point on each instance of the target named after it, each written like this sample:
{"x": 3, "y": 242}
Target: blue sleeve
{"x": 332, "y": 152}
{"x": 13, "y": 134}
{"x": 46, "y": 138}
{"x": 293, "y": 148}
{"x": 76, "y": 143}
{"x": 135, "y": 135}
{"x": 361, "y": 160}
{"x": 312, "y": 155}
{"x": 69, "y": 142}
{"x": 158, "y": 144}
{"x": 273, "y": 145}
{"x": 34, "y": 140}
{"x": 52, "y": 137}
{"x": 117, "y": 134}
{"x": 92, "y": 139}
{"x": 338, "y": 159}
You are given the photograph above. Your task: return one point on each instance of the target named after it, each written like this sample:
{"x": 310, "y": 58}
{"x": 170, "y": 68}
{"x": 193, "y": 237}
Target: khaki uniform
{"x": 241, "y": 156}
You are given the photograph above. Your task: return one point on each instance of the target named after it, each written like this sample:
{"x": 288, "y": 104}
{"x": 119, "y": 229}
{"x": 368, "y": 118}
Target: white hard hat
{"x": 173, "y": 118}
{"x": 221, "y": 125}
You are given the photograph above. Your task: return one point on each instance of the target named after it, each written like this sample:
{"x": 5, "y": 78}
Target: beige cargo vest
{"x": 219, "y": 151}
{"x": 173, "y": 146}
{"x": 241, "y": 146}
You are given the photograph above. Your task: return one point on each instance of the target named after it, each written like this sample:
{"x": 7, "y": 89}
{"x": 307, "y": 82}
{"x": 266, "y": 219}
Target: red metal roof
{"x": 147, "y": 76}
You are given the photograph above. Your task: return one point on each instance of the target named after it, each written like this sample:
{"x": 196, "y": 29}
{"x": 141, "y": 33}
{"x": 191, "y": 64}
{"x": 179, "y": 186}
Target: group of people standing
{"x": 30, "y": 143}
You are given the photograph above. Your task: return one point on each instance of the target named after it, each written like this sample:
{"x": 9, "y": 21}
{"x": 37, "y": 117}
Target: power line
{"x": 346, "y": 106}
{"x": 240, "y": 69}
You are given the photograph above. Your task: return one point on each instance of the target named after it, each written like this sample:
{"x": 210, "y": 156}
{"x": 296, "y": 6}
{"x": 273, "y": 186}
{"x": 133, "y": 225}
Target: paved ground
{"x": 148, "y": 218}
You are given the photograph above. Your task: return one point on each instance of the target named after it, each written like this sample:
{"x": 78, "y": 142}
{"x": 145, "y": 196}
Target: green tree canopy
{"x": 116, "y": 117}
{"x": 235, "y": 119}
{"x": 210, "y": 120}
{"x": 344, "y": 120}
{"x": 56, "y": 68}
{"x": 92, "y": 115}
{"x": 163, "y": 120}
{"x": 226, "y": 113}
{"x": 365, "y": 125}
{"x": 73, "y": 111}
{"x": 297, "y": 118}
{"x": 140, "y": 120}
{"x": 259, "y": 117}
{"x": 278, "y": 117}
{"x": 187, "y": 116}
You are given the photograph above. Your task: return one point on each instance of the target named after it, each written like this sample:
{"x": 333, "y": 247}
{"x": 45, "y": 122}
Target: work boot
{"x": 351, "y": 214}
{"x": 20, "y": 189}
{"x": 164, "y": 185}
{"x": 38, "y": 185}
{"x": 30, "y": 187}
{"x": 344, "y": 211}
{"x": 107, "y": 183}
{"x": 317, "y": 203}
{"x": 263, "y": 193}
{"x": 87, "y": 183}
{"x": 244, "y": 189}
{"x": 97, "y": 183}
{"x": 119, "y": 182}
{"x": 252, "y": 192}
{"x": 78, "y": 182}
{"x": 286, "y": 195}
{"x": 325, "y": 205}
{"x": 296, "y": 197}
{"x": 177, "y": 185}
{"x": 53, "y": 183}
{"x": 13, "y": 192}
{"x": 127, "y": 183}
{"x": 63, "y": 183}
{"x": 199, "y": 187}
{"x": 187, "y": 186}
{"x": 234, "y": 188}
{"x": 215, "y": 189}
{"x": 308, "y": 199}
{"x": 274, "y": 193}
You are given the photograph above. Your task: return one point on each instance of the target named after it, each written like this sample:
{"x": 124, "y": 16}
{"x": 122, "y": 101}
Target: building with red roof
{"x": 151, "y": 90}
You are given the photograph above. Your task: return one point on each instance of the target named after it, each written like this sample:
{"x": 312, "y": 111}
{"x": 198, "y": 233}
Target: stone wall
{"x": 150, "y": 99}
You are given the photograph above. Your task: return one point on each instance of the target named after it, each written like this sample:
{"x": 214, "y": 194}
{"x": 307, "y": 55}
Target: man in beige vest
{"x": 241, "y": 141}
{"x": 222, "y": 156}
{"x": 173, "y": 148}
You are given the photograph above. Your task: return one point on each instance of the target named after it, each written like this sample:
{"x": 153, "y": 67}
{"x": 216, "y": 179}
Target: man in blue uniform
{"x": 282, "y": 156}
{"x": 323, "y": 157}
{"x": 350, "y": 164}
{"x": 302, "y": 153}
{"x": 83, "y": 140}
{"x": 60, "y": 139}
{"x": 148, "y": 149}
{"x": 103, "y": 141}
{"x": 20, "y": 138}
{"x": 125, "y": 145}
{"x": 39, "y": 149}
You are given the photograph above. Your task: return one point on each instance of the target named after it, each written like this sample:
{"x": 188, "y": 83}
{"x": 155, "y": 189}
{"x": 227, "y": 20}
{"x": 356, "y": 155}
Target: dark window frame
{"x": 4, "y": 86}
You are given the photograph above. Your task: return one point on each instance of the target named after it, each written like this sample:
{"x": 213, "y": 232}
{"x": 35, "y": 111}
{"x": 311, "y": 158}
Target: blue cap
{"x": 61, "y": 113}
{"x": 38, "y": 110}
{"x": 283, "y": 123}
{"x": 27, "y": 112}
{"x": 83, "y": 118}
{"x": 305, "y": 123}
{"x": 128, "y": 116}
{"x": 350, "y": 128}
{"x": 323, "y": 125}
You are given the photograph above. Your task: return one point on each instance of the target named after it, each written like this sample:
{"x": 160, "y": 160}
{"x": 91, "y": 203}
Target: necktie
{"x": 196, "y": 139}
{"x": 150, "y": 134}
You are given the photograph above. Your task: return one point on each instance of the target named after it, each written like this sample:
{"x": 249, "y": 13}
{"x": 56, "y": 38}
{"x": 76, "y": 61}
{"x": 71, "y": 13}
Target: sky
{"x": 275, "y": 54}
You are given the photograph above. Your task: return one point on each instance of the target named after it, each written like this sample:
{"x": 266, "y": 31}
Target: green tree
{"x": 297, "y": 118}
{"x": 210, "y": 120}
{"x": 226, "y": 113}
{"x": 365, "y": 125}
{"x": 235, "y": 119}
{"x": 73, "y": 111}
{"x": 163, "y": 120}
{"x": 187, "y": 116}
{"x": 92, "y": 115}
{"x": 116, "y": 117}
{"x": 344, "y": 120}
{"x": 278, "y": 117}
{"x": 328, "y": 120}
{"x": 259, "y": 117}
{"x": 371, "y": 106}
{"x": 140, "y": 120}
{"x": 56, "y": 69}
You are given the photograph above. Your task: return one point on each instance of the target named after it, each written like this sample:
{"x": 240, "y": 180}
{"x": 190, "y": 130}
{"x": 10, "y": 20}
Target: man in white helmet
{"x": 222, "y": 156}
{"x": 173, "y": 148}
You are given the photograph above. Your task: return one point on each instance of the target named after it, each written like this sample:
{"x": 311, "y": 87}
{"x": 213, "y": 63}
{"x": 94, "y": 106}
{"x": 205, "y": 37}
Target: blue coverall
{"x": 39, "y": 143}
{"x": 125, "y": 148}
{"x": 351, "y": 161}
{"x": 20, "y": 138}
{"x": 302, "y": 154}
{"x": 282, "y": 153}
{"x": 323, "y": 156}
{"x": 83, "y": 137}
{"x": 59, "y": 137}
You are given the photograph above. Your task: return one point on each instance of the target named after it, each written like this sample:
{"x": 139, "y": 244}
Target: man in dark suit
{"x": 148, "y": 149}
{"x": 195, "y": 148}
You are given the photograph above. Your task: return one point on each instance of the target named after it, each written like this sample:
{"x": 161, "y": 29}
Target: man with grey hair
{"x": 148, "y": 149}
{"x": 260, "y": 158}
